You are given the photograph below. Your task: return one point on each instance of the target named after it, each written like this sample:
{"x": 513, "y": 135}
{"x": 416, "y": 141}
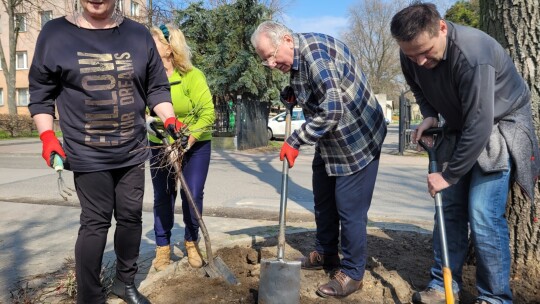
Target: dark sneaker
{"x": 316, "y": 261}
{"x": 340, "y": 286}
{"x": 431, "y": 296}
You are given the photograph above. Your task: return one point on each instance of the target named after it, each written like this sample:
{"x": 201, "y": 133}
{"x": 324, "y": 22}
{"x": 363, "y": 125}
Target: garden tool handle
{"x": 58, "y": 164}
{"x": 284, "y": 192}
{"x": 433, "y": 167}
{"x": 447, "y": 272}
{"x": 287, "y": 97}
{"x": 431, "y": 150}
{"x": 433, "y": 131}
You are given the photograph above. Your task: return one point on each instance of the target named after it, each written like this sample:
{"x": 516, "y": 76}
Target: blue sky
{"x": 328, "y": 16}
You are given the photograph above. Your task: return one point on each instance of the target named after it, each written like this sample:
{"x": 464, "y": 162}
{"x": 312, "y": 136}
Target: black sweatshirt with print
{"x": 100, "y": 81}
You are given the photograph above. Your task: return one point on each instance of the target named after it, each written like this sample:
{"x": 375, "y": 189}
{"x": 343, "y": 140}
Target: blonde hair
{"x": 181, "y": 53}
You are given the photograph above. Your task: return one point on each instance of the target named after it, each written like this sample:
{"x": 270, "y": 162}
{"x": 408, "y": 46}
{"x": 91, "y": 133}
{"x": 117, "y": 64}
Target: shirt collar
{"x": 449, "y": 34}
{"x": 296, "y": 56}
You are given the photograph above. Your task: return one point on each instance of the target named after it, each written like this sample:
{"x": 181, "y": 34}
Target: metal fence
{"x": 225, "y": 123}
{"x": 404, "y": 123}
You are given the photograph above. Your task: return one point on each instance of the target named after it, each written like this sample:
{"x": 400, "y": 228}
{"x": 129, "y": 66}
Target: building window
{"x": 1, "y": 97}
{"x": 45, "y": 16}
{"x": 20, "y": 22}
{"x": 135, "y": 8}
{"x": 22, "y": 97}
{"x": 21, "y": 61}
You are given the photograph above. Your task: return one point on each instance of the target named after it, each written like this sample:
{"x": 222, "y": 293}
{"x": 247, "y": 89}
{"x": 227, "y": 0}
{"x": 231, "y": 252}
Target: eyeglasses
{"x": 272, "y": 59}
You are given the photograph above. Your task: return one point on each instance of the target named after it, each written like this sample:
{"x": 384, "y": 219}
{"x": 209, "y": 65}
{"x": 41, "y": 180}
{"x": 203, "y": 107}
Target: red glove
{"x": 289, "y": 152}
{"x": 51, "y": 145}
{"x": 173, "y": 127}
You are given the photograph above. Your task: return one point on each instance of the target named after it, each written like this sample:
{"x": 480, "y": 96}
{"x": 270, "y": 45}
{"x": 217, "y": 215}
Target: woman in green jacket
{"x": 193, "y": 106}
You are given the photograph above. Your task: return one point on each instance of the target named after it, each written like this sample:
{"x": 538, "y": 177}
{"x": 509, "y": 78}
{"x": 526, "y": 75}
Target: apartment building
{"x": 31, "y": 20}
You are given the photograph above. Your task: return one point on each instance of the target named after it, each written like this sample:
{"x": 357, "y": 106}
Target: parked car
{"x": 276, "y": 124}
{"x": 387, "y": 121}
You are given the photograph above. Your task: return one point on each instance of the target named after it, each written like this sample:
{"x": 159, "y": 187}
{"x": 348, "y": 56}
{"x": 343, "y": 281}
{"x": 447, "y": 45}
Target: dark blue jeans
{"x": 478, "y": 202}
{"x": 195, "y": 169}
{"x": 345, "y": 200}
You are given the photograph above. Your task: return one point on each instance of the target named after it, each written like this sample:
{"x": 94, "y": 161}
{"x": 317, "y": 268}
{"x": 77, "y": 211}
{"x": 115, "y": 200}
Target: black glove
{"x": 287, "y": 97}
{"x": 185, "y": 143}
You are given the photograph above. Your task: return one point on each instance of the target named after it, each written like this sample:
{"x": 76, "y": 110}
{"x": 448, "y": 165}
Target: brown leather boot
{"x": 163, "y": 257}
{"x": 194, "y": 254}
{"x": 316, "y": 261}
{"x": 339, "y": 287}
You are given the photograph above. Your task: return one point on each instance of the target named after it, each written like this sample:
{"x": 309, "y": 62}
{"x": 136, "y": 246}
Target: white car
{"x": 276, "y": 124}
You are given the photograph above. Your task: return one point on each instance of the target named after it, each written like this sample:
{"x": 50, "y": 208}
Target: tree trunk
{"x": 516, "y": 25}
{"x": 9, "y": 69}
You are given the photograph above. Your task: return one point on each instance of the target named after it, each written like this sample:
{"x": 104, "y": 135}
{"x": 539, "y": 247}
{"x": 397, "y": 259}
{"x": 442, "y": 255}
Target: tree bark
{"x": 9, "y": 69}
{"x": 516, "y": 25}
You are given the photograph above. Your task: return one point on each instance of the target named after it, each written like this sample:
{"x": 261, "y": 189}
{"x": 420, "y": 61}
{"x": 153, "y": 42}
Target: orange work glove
{"x": 290, "y": 153}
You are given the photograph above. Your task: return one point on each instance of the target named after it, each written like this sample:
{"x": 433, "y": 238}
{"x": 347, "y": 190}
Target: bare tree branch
{"x": 374, "y": 47}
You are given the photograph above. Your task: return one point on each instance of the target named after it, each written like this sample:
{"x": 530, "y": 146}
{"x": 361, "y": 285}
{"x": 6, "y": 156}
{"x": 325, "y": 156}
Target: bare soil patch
{"x": 398, "y": 264}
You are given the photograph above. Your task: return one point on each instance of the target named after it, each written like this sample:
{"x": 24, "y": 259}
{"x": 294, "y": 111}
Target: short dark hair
{"x": 415, "y": 19}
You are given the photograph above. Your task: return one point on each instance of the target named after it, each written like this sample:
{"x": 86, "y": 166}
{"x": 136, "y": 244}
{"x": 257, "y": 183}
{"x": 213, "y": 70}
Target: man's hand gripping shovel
{"x": 447, "y": 272}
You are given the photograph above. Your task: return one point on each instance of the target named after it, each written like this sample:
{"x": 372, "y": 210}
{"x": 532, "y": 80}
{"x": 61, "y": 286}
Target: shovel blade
{"x": 280, "y": 282}
{"x": 218, "y": 269}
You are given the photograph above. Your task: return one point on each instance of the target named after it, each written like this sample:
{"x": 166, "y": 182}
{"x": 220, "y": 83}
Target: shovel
{"x": 280, "y": 280}
{"x": 214, "y": 267}
{"x": 447, "y": 272}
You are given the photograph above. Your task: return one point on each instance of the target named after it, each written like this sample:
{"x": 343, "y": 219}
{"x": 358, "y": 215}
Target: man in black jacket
{"x": 465, "y": 76}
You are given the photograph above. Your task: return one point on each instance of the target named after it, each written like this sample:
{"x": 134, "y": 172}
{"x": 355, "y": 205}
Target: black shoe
{"x": 316, "y": 261}
{"x": 128, "y": 292}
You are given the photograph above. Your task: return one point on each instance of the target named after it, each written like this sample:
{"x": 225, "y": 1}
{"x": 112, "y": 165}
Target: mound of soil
{"x": 398, "y": 264}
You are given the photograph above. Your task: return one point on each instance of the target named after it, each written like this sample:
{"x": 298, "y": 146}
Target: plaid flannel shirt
{"x": 344, "y": 119}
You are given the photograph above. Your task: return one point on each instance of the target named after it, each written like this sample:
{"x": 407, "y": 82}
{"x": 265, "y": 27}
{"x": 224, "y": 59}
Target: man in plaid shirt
{"x": 346, "y": 123}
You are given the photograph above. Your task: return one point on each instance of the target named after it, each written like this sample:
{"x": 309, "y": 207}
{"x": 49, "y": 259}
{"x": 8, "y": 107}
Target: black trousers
{"x": 102, "y": 194}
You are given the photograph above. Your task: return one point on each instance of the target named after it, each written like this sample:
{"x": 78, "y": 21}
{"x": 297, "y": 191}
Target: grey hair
{"x": 273, "y": 30}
